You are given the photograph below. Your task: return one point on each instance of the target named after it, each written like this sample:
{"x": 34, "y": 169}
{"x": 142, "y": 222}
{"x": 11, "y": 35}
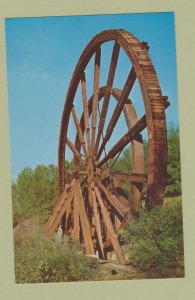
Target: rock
{"x": 25, "y": 227}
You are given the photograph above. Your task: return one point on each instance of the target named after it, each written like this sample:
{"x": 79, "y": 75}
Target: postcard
{"x": 94, "y": 168}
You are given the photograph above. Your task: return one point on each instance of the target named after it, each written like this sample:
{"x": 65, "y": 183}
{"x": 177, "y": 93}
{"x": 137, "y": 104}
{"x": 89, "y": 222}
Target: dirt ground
{"x": 114, "y": 271}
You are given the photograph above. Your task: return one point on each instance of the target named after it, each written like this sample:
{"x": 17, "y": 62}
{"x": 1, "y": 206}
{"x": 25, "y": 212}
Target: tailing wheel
{"x": 97, "y": 200}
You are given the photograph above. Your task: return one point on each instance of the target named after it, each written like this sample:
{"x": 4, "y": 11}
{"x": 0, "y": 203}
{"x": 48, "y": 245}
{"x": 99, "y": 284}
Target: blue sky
{"x": 41, "y": 56}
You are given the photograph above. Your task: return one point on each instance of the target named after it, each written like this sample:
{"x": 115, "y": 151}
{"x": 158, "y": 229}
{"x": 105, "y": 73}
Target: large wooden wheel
{"x": 96, "y": 201}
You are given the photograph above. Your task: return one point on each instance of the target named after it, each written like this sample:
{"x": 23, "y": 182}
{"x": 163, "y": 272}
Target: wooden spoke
{"x": 84, "y": 220}
{"x": 113, "y": 200}
{"x": 110, "y": 229}
{"x": 123, "y": 97}
{"x": 75, "y": 151}
{"x": 126, "y": 139}
{"x": 113, "y": 64}
{"x": 79, "y": 131}
{"x": 95, "y": 97}
{"x": 86, "y": 110}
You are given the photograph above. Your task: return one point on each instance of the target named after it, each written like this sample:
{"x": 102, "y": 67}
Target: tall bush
{"x": 156, "y": 238}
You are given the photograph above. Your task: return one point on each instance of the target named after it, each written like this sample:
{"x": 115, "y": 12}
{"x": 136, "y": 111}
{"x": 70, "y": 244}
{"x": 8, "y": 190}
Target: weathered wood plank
{"x": 84, "y": 221}
{"x": 97, "y": 221}
{"x": 133, "y": 177}
{"x": 65, "y": 201}
{"x": 56, "y": 209}
{"x": 119, "y": 206}
{"x": 109, "y": 226}
{"x": 76, "y": 233}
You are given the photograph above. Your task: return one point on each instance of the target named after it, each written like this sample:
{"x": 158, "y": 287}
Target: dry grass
{"x": 172, "y": 200}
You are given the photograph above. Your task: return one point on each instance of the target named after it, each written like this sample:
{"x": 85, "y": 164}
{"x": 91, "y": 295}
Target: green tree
{"x": 22, "y": 194}
{"x": 15, "y": 205}
{"x": 173, "y": 163}
{"x": 123, "y": 164}
{"x": 35, "y": 192}
{"x": 44, "y": 194}
{"x": 68, "y": 166}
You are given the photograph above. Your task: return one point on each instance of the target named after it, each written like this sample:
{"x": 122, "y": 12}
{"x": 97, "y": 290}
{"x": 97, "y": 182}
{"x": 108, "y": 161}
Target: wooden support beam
{"x": 76, "y": 233}
{"x": 113, "y": 200}
{"x": 133, "y": 177}
{"x": 56, "y": 209}
{"x": 122, "y": 176}
{"x": 84, "y": 220}
{"x": 97, "y": 220}
{"x": 109, "y": 226}
{"x": 60, "y": 209}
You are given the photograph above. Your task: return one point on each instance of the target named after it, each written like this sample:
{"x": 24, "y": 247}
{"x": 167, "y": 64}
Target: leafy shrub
{"x": 156, "y": 238}
{"x": 39, "y": 260}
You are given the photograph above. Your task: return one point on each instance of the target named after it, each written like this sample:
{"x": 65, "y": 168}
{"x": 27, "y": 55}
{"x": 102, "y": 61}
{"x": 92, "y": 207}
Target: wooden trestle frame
{"x": 90, "y": 208}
